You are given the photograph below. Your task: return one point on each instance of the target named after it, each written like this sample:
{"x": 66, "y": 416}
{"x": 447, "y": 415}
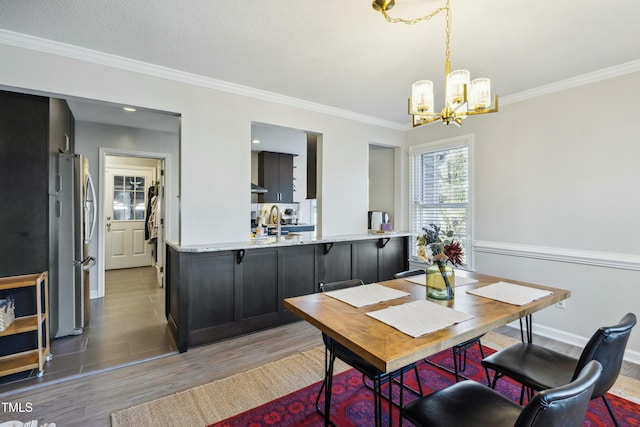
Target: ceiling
{"x": 343, "y": 54}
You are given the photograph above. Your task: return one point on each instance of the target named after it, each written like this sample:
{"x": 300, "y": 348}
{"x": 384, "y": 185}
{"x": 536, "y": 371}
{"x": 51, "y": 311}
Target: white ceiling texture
{"x": 342, "y": 54}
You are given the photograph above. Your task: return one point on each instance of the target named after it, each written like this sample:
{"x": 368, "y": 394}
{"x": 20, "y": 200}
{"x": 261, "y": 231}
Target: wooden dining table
{"x": 389, "y": 349}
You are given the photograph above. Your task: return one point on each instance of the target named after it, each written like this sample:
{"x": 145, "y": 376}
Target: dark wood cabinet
{"x": 298, "y": 272}
{"x": 366, "y": 256}
{"x": 393, "y": 256}
{"x": 258, "y": 276}
{"x": 212, "y": 284}
{"x": 371, "y": 260}
{"x": 216, "y": 295}
{"x": 312, "y": 166}
{"x": 24, "y": 232}
{"x": 32, "y": 130}
{"x": 275, "y": 173}
{"x": 336, "y": 261}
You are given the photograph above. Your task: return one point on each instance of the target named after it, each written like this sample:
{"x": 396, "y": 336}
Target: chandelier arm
{"x": 423, "y": 120}
{"x": 485, "y": 110}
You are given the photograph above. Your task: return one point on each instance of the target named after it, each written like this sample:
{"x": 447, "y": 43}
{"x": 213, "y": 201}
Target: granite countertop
{"x": 288, "y": 240}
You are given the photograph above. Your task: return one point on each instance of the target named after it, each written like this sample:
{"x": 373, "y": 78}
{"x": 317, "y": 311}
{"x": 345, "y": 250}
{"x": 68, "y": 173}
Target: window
{"x": 440, "y": 189}
{"x": 128, "y": 198}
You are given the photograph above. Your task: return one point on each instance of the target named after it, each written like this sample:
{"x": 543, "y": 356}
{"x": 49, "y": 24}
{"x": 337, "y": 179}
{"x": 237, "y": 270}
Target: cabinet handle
{"x": 66, "y": 143}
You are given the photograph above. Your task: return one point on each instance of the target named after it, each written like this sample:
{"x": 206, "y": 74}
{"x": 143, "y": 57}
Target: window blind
{"x": 440, "y": 191}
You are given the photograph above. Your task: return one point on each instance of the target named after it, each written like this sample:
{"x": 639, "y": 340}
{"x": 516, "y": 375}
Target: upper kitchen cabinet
{"x": 275, "y": 173}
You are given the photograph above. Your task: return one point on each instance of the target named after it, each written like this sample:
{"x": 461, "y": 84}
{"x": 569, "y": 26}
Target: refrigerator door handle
{"x": 88, "y": 262}
{"x": 89, "y": 205}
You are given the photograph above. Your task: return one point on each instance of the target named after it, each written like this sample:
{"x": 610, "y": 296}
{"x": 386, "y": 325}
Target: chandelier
{"x": 463, "y": 97}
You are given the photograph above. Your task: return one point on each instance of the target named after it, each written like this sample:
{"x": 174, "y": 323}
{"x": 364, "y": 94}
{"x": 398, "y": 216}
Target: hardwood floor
{"x": 126, "y": 326}
{"x": 90, "y": 399}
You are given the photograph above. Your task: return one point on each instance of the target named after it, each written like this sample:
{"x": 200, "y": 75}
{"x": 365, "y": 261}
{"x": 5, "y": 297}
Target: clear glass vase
{"x": 441, "y": 282}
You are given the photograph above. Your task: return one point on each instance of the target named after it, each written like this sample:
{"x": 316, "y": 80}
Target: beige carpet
{"x": 221, "y": 399}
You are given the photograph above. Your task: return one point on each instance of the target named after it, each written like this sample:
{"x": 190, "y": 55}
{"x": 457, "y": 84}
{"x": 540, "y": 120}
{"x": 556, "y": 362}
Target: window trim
{"x": 444, "y": 144}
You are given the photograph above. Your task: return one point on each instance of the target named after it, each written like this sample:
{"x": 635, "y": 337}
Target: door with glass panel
{"x": 126, "y": 203}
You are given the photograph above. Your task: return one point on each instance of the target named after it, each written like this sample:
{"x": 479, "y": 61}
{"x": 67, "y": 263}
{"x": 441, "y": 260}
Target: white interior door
{"x": 125, "y": 209}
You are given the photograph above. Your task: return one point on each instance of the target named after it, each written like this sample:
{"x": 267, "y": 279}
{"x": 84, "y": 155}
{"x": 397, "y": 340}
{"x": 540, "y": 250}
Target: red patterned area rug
{"x": 352, "y": 402}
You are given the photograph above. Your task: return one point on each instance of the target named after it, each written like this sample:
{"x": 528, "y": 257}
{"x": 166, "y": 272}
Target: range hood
{"x": 257, "y": 189}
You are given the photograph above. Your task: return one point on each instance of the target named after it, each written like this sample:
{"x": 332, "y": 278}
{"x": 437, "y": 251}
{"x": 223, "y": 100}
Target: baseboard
{"x": 572, "y": 339}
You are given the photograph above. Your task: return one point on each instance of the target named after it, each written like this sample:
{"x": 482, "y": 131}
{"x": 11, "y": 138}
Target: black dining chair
{"x": 368, "y": 371}
{"x": 471, "y": 404}
{"x": 538, "y": 368}
{"x": 459, "y": 350}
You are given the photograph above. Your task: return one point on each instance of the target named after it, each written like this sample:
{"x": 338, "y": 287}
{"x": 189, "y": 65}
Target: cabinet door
{"x": 298, "y": 271}
{"x": 269, "y": 176}
{"x": 366, "y": 260}
{"x": 393, "y": 257}
{"x": 275, "y": 173}
{"x": 285, "y": 175}
{"x": 212, "y": 285}
{"x": 337, "y": 262}
{"x": 257, "y": 279}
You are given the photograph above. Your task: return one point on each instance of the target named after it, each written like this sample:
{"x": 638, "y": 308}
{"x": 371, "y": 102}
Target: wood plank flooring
{"x": 127, "y": 325}
{"x": 89, "y": 395}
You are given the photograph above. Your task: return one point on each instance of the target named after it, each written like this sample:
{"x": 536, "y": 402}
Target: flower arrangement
{"x": 435, "y": 245}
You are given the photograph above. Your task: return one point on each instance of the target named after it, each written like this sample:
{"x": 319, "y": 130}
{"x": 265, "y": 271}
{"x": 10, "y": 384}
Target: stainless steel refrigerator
{"x": 76, "y": 215}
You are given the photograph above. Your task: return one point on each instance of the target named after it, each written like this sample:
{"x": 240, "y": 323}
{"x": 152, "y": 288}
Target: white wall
{"x": 215, "y": 156}
{"x": 556, "y": 193}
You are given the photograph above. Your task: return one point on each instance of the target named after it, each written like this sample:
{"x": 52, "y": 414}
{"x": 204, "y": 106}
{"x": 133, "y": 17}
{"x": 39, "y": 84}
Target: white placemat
{"x": 422, "y": 278}
{"x": 420, "y": 317}
{"x": 510, "y": 293}
{"x": 359, "y": 296}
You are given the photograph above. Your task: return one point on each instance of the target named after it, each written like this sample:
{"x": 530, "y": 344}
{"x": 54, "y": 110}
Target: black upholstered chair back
{"x": 334, "y": 286}
{"x": 409, "y": 273}
{"x": 563, "y": 406}
{"x": 607, "y": 346}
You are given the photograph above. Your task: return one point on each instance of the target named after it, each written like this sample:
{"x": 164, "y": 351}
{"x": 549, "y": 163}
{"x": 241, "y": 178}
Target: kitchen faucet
{"x": 278, "y": 231}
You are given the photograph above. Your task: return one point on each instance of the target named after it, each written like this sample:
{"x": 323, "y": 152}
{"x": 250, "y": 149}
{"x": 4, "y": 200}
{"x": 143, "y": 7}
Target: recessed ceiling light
{"x": 255, "y": 141}
{"x": 130, "y": 109}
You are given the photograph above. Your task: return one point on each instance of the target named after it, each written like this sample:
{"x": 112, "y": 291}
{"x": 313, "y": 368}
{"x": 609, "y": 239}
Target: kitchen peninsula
{"x": 223, "y": 290}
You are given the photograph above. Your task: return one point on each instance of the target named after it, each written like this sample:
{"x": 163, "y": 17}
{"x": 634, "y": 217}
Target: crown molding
{"x": 88, "y": 55}
{"x": 581, "y": 80}
{"x": 70, "y": 51}
{"x": 574, "y": 256}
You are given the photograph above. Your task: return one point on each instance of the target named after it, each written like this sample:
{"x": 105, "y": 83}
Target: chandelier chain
{"x": 426, "y": 18}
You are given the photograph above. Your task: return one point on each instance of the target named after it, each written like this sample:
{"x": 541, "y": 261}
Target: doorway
{"x": 133, "y": 213}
